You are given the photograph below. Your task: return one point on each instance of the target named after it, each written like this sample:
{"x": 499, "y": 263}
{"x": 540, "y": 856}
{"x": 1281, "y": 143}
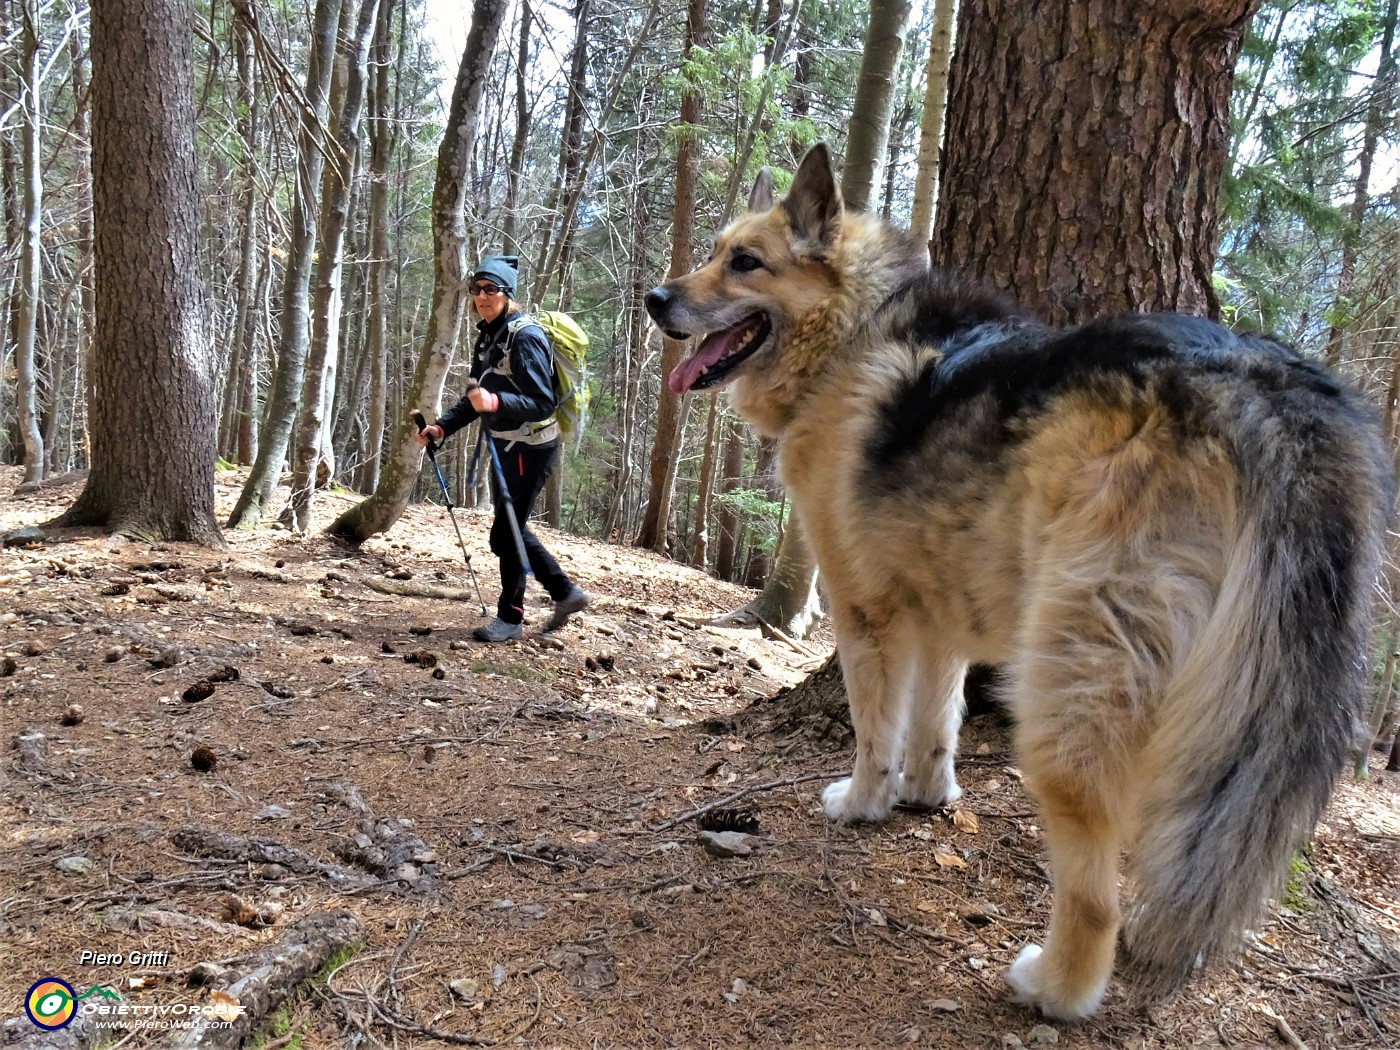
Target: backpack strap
{"x": 545, "y": 430}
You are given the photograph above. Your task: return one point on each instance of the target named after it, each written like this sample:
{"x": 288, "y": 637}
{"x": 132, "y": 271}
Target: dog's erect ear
{"x": 761, "y": 197}
{"x": 813, "y": 204}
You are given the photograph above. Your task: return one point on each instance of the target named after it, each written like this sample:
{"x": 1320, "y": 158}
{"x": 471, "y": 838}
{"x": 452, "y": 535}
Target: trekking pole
{"x": 504, "y": 493}
{"x": 420, "y": 422}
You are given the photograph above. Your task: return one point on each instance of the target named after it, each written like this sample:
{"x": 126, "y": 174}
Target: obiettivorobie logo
{"x": 52, "y": 1003}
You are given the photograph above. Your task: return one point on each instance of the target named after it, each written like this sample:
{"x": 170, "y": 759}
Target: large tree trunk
{"x": 1084, "y": 180}
{"x": 400, "y": 470}
{"x": 665, "y": 449}
{"x": 293, "y": 335}
{"x": 869, "y": 129}
{"x": 26, "y": 350}
{"x": 312, "y": 441}
{"x": 789, "y": 599}
{"x": 154, "y": 419}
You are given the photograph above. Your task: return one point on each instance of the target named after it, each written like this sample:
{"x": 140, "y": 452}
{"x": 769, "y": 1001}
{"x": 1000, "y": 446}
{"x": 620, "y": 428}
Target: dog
{"x": 1166, "y": 533}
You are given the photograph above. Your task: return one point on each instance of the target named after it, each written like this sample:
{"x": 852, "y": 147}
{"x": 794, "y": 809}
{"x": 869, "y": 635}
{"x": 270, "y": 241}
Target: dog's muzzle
{"x": 658, "y": 302}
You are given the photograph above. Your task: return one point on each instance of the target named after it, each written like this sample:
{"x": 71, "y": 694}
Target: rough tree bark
{"x": 154, "y": 419}
{"x": 404, "y": 455}
{"x": 1084, "y": 150}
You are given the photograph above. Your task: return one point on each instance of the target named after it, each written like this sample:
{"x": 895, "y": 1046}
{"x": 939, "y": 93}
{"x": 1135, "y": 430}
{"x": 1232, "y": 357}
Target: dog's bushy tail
{"x": 1261, "y": 715}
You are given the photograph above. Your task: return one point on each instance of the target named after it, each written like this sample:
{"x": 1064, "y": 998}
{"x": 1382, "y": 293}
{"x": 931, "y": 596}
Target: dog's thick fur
{"x": 1167, "y": 533}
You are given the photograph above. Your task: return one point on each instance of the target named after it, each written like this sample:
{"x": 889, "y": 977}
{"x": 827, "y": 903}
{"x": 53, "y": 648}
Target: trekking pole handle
{"x": 422, "y": 424}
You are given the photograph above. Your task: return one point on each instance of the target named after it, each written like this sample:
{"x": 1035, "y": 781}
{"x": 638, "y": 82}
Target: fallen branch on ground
{"x": 210, "y": 842}
{"x": 271, "y": 975}
{"x": 419, "y": 590}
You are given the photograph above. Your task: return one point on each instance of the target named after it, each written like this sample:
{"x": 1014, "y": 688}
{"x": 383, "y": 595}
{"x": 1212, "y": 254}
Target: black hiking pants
{"x": 526, "y": 468}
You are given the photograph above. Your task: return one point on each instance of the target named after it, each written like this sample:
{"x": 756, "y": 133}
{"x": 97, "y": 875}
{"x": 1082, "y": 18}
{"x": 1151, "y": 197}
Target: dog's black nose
{"x": 657, "y": 300}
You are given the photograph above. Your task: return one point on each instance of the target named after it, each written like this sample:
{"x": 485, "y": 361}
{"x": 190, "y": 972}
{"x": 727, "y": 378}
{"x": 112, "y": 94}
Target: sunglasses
{"x": 484, "y": 289}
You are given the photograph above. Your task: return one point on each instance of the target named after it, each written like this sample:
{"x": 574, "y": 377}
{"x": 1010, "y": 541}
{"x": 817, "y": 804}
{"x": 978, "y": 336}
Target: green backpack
{"x": 570, "y": 345}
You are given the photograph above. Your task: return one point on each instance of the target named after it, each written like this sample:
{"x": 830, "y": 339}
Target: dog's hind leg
{"x": 1067, "y": 979}
{"x": 934, "y": 719}
{"x": 1078, "y": 691}
{"x": 877, "y": 657}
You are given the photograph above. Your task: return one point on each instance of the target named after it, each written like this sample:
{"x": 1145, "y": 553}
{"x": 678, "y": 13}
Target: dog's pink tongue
{"x": 711, "y": 350}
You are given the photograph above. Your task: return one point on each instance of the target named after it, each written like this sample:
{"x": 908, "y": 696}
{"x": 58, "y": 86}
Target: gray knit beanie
{"x": 502, "y": 270}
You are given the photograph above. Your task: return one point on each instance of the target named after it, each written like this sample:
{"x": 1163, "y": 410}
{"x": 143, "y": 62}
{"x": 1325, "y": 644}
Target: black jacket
{"x": 527, "y": 394}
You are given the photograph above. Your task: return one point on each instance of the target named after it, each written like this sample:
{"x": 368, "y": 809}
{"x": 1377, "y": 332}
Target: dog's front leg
{"x": 876, "y": 659}
{"x": 936, "y": 712}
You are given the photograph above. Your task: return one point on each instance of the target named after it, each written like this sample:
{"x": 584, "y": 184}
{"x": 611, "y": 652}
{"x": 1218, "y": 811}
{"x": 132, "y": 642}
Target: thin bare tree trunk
{"x": 789, "y": 597}
{"x": 1361, "y": 195}
{"x": 283, "y": 400}
{"x": 243, "y": 364}
{"x": 381, "y": 139}
{"x": 869, "y": 128}
{"x": 82, "y": 128}
{"x": 665, "y": 449}
{"x": 700, "y": 546}
{"x": 312, "y": 441}
{"x": 575, "y": 191}
{"x": 940, "y": 54}
{"x": 522, "y": 134}
{"x": 400, "y": 469}
{"x": 571, "y": 148}
{"x": 26, "y": 350}
{"x": 728, "y": 548}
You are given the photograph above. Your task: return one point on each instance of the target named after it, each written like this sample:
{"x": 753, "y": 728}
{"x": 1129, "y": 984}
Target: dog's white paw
{"x": 939, "y": 791}
{"x": 849, "y": 806}
{"x": 1031, "y": 985}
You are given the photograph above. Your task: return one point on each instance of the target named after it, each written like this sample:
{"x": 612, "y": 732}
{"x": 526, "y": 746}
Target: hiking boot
{"x": 498, "y": 631}
{"x": 575, "y": 601}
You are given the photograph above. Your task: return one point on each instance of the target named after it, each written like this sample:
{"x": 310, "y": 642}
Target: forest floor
{"x": 508, "y": 825}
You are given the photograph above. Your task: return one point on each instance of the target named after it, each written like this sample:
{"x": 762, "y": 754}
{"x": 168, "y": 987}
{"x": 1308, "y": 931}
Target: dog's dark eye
{"x": 744, "y": 262}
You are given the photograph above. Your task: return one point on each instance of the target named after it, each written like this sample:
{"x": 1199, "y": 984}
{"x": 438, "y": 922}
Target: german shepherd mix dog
{"x": 1166, "y": 532}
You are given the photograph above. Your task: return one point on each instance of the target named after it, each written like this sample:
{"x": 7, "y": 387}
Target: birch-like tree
{"x": 403, "y": 454}
{"x": 293, "y": 334}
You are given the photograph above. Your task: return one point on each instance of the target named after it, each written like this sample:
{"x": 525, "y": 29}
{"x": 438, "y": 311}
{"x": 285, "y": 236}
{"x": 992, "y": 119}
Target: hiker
{"x": 515, "y": 396}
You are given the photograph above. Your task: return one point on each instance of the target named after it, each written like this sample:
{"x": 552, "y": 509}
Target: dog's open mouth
{"x": 719, "y": 354}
